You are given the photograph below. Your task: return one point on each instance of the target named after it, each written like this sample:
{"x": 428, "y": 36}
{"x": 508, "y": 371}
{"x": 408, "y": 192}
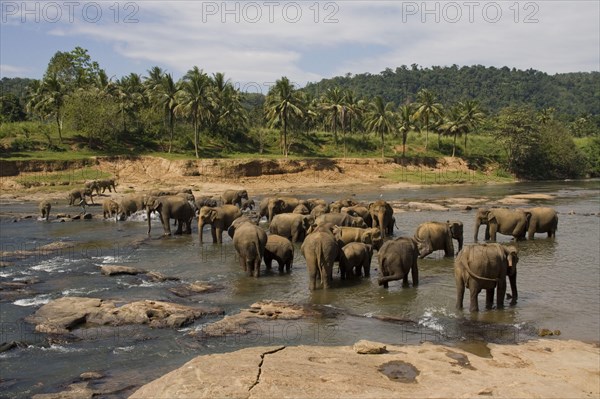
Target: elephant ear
{"x": 212, "y": 215}
{"x": 367, "y": 237}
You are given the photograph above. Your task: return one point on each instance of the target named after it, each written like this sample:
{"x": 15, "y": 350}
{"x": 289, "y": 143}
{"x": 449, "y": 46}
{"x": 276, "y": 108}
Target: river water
{"x": 558, "y": 279}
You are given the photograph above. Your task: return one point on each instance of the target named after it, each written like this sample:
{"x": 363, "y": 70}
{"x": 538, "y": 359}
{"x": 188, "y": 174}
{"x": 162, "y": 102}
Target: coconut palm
{"x": 472, "y": 116}
{"x": 406, "y": 123}
{"x": 454, "y": 124}
{"x": 131, "y": 97}
{"x": 50, "y": 100}
{"x": 427, "y": 107}
{"x": 194, "y": 101}
{"x": 281, "y": 105}
{"x": 332, "y": 105}
{"x": 380, "y": 118}
{"x": 164, "y": 96}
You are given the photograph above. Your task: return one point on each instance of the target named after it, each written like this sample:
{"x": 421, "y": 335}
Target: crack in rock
{"x": 262, "y": 359}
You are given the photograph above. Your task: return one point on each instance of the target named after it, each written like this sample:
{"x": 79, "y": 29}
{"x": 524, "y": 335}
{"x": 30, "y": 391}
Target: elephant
{"x": 110, "y": 208}
{"x": 206, "y": 201}
{"x": 92, "y": 185}
{"x": 346, "y": 235}
{"x": 360, "y": 210}
{"x": 382, "y": 216}
{"x": 433, "y": 236}
{"x": 263, "y": 207}
{"x": 106, "y": 183}
{"x": 171, "y": 207}
{"x": 485, "y": 267}
{"x": 45, "y": 206}
{"x": 249, "y": 241}
{"x": 280, "y": 249}
{"x": 501, "y": 220}
{"x": 312, "y": 203}
{"x": 301, "y": 209}
{"x": 220, "y": 218}
{"x": 77, "y": 196}
{"x": 319, "y": 210}
{"x": 282, "y": 205}
{"x": 320, "y": 251}
{"x": 541, "y": 220}
{"x": 234, "y": 197}
{"x": 396, "y": 259}
{"x": 291, "y": 225}
{"x": 336, "y": 206}
{"x": 342, "y": 219}
{"x": 187, "y": 194}
{"x": 248, "y": 205}
{"x": 130, "y": 204}
{"x": 323, "y": 227}
{"x": 354, "y": 257}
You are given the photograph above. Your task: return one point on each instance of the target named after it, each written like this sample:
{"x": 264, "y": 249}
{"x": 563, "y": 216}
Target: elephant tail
{"x": 477, "y": 277}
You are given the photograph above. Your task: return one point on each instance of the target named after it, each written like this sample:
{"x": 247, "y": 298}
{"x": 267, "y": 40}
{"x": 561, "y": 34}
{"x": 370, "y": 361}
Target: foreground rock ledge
{"x": 544, "y": 368}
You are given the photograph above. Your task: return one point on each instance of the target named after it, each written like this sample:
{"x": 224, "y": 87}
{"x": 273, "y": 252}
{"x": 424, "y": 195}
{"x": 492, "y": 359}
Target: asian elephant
{"x": 280, "y": 249}
{"x": 282, "y": 205}
{"x": 301, "y": 209}
{"x": 206, "y": 201}
{"x": 320, "y": 251}
{"x": 360, "y": 210}
{"x": 77, "y": 196}
{"x": 234, "y": 197}
{"x": 248, "y": 205}
{"x": 291, "y": 225}
{"x": 92, "y": 185}
{"x": 249, "y": 241}
{"x": 382, "y": 215}
{"x": 346, "y": 235}
{"x": 396, "y": 259}
{"x": 110, "y": 208}
{"x": 336, "y": 206}
{"x": 171, "y": 207}
{"x": 106, "y": 183}
{"x": 433, "y": 236}
{"x": 263, "y": 207}
{"x": 342, "y": 219}
{"x": 485, "y": 267}
{"x": 355, "y": 257}
{"x": 312, "y": 203}
{"x": 319, "y": 210}
{"x": 45, "y": 206}
{"x": 130, "y": 204}
{"x": 220, "y": 218}
{"x": 541, "y": 220}
{"x": 323, "y": 227}
{"x": 512, "y": 222}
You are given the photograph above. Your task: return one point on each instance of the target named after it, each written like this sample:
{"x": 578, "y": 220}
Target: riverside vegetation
{"x": 525, "y": 124}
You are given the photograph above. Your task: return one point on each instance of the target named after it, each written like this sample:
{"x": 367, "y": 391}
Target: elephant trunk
{"x": 477, "y": 224}
{"x": 200, "y": 226}
{"x": 382, "y": 226}
{"x": 148, "y": 213}
{"x": 460, "y": 243}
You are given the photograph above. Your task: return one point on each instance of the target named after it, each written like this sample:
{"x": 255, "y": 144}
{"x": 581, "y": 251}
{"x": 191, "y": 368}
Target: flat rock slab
{"x": 65, "y": 314}
{"x": 544, "y": 368}
{"x": 115, "y": 270}
{"x": 425, "y": 206}
{"x": 365, "y": 347}
{"x": 196, "y": 288}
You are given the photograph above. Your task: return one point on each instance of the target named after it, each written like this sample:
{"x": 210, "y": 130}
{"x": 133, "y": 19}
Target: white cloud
{"x": 11, "y": 71}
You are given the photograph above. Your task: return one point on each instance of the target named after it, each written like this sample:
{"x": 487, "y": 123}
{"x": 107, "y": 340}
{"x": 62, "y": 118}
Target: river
{"x": 558, "y": 279}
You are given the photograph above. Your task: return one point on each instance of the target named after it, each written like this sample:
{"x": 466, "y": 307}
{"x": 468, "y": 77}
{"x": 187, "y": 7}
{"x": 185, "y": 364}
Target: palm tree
{"x": 472, "y": 116}
{"x": 51, "y": 97}
{"x": 405, "y": 123}
{"x": 332, "y": 104}
{"x": 194, "y": 101}
{"x": 164, "y": 96}
{"x": 380, "y": 119}
{"x": 454, "y": 124}
{"x": 131, "y": 97}
{"x": 426, "y": 107}
{"x": 282, "y": 104}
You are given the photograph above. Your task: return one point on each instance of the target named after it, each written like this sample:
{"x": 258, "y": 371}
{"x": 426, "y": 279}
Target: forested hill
{"x": 571, "y": 94}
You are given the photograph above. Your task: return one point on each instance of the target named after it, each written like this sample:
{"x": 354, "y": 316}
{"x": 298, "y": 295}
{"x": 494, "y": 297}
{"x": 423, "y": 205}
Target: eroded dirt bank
{"x": 211, "y": 176}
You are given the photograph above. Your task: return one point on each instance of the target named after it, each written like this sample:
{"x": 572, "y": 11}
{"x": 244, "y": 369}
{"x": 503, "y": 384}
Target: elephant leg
{"x": 219, "y": 233}
{"x": 213, "y": 232}
{"x": 487, "y": 232}
{"x": 531, "y": 232}
{"x": 257, "y": 267}
{"x": 493, "y": 229}
{"x": 312, "y": 278}
{"x": 242, "y": 261}
{"x": 501, "y": 294}
{"x": 414, "y": 273}
{"x": 513, "y": 287}
{"x": 268, "y": 260}
{"x": 520, "y": 230}
{"x": 179, "y": 230}
{"x": 200, "y": 225}
{"x": 449, "y": 250}
{"x": 367, "y": 267}
{"x": 460, "y": 292}
{"x": 325, "y": 277}
{"x": 489, "y": 298}
{"x": 473, "y": 293}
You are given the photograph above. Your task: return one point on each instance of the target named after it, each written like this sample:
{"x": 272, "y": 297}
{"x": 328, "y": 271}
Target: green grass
{"x": 62, "y": 178}
{"x": 426, "y": 176}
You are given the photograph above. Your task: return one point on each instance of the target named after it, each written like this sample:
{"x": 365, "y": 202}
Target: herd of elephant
{"x": 346, "y": 232}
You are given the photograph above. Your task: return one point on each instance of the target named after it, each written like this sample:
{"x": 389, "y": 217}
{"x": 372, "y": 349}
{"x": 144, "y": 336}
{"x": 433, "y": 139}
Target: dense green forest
{"x": 534, "y": 125}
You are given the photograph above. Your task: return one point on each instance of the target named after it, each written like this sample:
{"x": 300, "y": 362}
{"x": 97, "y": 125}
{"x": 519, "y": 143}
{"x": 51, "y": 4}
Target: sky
{"x": 257, "y": 42}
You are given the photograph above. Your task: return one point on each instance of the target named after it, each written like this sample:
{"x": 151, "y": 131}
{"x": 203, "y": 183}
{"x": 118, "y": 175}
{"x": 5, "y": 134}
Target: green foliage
{"x": 11, "y": 109}
{"x": 590, "y": 147}
{"x": 92, "y": 114}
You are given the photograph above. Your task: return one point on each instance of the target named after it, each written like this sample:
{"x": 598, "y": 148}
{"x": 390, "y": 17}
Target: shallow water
{"x": 559, "y": 282}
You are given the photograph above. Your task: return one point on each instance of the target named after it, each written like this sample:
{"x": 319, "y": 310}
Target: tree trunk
{"x": 285, "y": 150}
{"x": 465, "y": 143}
{"x": 454, "y": 146}
{"x": 171, "y": 129}
{"x": 404, "y": 137}
{"x": 382, "y": 147}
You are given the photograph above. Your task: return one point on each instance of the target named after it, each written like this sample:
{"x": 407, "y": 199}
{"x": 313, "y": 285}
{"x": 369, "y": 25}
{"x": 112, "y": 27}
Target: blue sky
{"x": 256, "y": 41}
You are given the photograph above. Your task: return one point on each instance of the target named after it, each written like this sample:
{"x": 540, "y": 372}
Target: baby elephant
{"x": 280, "y": 249}
{"x": 396, "y": 259}
{"x": 110, "y": 208}
{"x": 354, "y": 258}
{"x": 77, "y": 196}
{"x": 44, "y": 208}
